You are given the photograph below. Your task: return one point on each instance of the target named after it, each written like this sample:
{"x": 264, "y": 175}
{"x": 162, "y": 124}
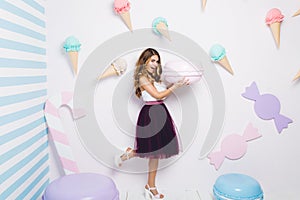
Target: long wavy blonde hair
{"x": 140, "y": 70}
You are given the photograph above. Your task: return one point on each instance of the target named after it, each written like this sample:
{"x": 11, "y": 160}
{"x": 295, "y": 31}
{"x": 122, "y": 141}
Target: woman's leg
{"x": 129, "y": 153}
{"x": 153, "y": 165}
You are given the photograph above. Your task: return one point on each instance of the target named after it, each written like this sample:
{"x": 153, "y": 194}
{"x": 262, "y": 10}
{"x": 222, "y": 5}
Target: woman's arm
{"x": 145, "y": 84}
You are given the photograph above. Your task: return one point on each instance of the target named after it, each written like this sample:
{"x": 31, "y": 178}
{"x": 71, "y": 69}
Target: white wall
{"x": 239, "y": 26}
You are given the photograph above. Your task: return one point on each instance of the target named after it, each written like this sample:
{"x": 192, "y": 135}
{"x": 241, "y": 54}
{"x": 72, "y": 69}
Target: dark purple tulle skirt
{"x": 155, "y": 133}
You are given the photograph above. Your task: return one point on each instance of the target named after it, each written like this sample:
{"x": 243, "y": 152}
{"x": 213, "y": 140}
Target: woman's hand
{"x": 180, "y": 83}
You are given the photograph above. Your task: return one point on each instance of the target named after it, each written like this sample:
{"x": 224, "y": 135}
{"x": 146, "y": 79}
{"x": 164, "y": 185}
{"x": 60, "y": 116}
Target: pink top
{"x": 154, "y": 102}
{"x": 121, "y": 6}
{"x": 274, "y": 15}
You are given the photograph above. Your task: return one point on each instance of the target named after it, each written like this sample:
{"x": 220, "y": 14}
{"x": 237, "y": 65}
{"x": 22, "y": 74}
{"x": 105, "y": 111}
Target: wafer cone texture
{"x": 297, "y": 13}
{"x": 203, "y": 4}
{"x": 275, "y": 28}
{"x": 163, "y": 29}
{"x": 225, "y": 63}
{"x": 73, "y": 55}
{"x": 110, "y": 71}
{"x": 297, "y": 76}
{"x": 126, "y": 18}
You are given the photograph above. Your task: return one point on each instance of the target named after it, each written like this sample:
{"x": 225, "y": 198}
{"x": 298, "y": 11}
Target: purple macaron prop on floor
{"x": 88, "y": 186}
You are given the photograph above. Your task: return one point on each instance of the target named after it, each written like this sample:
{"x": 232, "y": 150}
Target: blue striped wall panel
{"x": 24, "y": 167}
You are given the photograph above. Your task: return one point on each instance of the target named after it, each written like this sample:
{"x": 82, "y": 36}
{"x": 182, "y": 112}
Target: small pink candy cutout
{"x": 233, "y": 146}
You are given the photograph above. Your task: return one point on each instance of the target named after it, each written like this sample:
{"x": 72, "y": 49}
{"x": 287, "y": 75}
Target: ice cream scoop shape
{"x": 218, "y": 54}
{"x": 274, "y": 19}
{"x": 160, "y": 27}
{"x": 122, "y": 7}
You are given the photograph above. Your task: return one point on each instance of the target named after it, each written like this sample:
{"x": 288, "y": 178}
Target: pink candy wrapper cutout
{"x": 233, "y": 146}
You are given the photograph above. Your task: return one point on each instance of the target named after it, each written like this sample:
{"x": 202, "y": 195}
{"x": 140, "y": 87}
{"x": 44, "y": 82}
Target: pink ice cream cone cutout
{"x": 233, "y": 146}
{"x": 122, "y": 8}
{"x": 267, "y": 107}
{"x": 273, "y": 20}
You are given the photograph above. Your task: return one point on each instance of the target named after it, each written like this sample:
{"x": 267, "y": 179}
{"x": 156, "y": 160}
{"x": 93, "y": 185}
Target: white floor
{"x": 169, "y": 195}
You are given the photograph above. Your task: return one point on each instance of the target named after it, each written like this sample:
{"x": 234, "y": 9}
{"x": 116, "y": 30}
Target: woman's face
{"x": 152, "y": 64}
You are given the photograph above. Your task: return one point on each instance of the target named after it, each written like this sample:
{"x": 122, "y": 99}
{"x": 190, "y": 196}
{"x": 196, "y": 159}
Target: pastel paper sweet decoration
{"x": 122, "y": 7}
{"x": 116, "y": 68}
{"x": 72, "y": 47}
{"x": 296, "y": 13}
{"x": 274, "y": 19}
{"x": 160, "y": 27}
{"x": 218, "y": 54}
{"x": 203, "y": 4}
{"x": 297, "y": 76}
{"x": 176, "y": 70}
{"x": 233, "y": 146}
{"x": 267, "y": 107}
{"x": 56, "y": 129}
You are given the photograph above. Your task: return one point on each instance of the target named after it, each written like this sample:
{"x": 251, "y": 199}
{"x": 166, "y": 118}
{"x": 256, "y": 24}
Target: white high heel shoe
{"x": 150, "y": 196}
{"x": 118, "y": 158}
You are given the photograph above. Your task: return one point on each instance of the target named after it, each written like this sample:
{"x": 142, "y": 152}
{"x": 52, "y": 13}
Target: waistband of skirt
{"x": 154, "y": 102}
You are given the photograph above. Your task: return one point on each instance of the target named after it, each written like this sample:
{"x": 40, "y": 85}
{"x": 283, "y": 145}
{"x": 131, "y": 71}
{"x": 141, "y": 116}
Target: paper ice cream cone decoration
{"x": 160, "y": 27}
{"x": 297, "y": 76}
{"x": 274, "y": 19}
{"x": 122, "y": 8}
{"x": 73, "y": 55}
{"x": 225, "y": 63}
{"x": 110, "y": 71}
{"x": 72, "y": 46}
{"x": 296, "y": 13}
{"x": 203, "y": 4}
{"x": 275, "y": 28}
{"x": 117, "y": 68}
{"x": 233, "y": 146}
{"x": 126, "y": 18}
{"x": 218, "y": 54}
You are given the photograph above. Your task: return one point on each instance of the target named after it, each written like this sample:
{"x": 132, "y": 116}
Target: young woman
{"x": 156, "y": 136}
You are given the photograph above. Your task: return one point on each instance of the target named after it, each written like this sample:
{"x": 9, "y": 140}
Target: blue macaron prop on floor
{"x": 234, "y": 186}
